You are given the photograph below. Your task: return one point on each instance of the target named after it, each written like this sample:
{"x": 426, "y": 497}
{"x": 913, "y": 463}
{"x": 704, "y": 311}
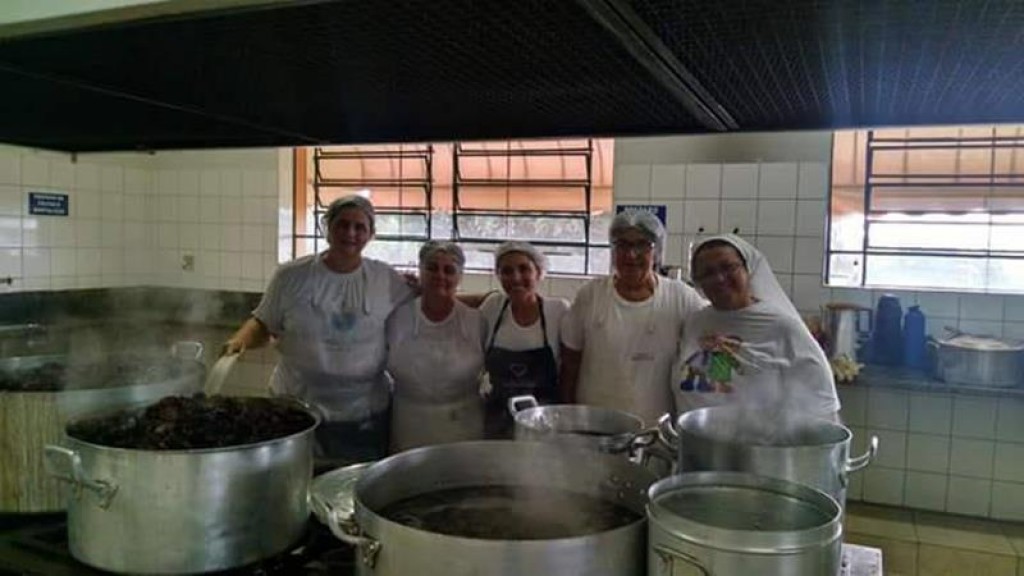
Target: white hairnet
{"x": 763, "y": 283}
{"x": 452, "y": 249}
{"x": 523, "y": 248}
{"x": 644, "y": 222}
{"x": 350, "y": 201}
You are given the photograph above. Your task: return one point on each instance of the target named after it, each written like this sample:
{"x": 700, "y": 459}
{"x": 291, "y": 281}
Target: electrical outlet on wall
{"x": 188, "y": 262}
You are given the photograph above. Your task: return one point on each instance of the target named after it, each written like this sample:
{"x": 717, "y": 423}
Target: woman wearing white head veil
{"x": 621, "y": 336}
{"x": 750, "y": 347}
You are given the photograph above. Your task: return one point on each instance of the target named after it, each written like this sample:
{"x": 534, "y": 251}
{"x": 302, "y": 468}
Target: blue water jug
{"x": 914, "y": 344}
{"x": 887, "y": 338}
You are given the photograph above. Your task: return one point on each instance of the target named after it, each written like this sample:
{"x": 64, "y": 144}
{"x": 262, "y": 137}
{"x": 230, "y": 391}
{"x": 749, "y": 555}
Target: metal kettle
{"x": 845, "y": 330}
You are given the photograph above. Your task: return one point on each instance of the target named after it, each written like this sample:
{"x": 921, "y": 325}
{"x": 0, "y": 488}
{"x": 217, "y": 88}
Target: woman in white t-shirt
{"x": 326, "y": 313}
{"x": 621, "y": 336}
{"x": 750, "y": 347}
{"x": 522, "y": 336}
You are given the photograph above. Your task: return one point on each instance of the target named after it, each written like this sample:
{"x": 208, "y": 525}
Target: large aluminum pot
{"x": 184, "y": 511}
{"x": 29, "y": 419}
{"x": 728, "y": 524}
{"x": 979, "y": 361}
{"x": 814, "y": 452}
{"x": 388, "y": 548}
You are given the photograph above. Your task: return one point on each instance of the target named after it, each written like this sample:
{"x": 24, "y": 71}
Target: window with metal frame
{"x": 928, "y": 208}
{"x": 556, "y": 194}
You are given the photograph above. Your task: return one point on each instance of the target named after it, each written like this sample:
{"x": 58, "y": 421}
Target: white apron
{"x": 334, "y": 357}
{"x": 436, "y": 372}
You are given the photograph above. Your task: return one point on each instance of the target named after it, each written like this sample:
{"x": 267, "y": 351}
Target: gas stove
{"x": 37, "y": 544}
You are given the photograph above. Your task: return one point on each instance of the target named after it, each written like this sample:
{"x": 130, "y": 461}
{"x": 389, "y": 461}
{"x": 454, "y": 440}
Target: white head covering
{"x": 431, "y": 247}
{"x": 763, "y": 283}
{"x": 350, "y": 201}
{"x": 645, "y": 222}
{"x": 526, "y": 248}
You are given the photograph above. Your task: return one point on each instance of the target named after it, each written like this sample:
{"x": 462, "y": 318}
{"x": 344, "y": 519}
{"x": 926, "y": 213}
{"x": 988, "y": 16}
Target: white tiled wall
{"x": 953, "y": 453}
{"x": 221, "y": 209}
{"x": 103, "y": 242}
{"x": 134, "y": 219}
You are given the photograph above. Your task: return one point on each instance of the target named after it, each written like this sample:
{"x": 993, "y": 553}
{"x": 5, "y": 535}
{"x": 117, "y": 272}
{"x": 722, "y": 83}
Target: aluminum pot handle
{"x": 667, "y": 565}
{"x": 66, "y": 465}
{"x": 861, "y": 462}
{"x": 526, "y": 401}
{"x": 667, "y": 431}
{"x": 187, "y": 350}
{"x": 345, "y": 528}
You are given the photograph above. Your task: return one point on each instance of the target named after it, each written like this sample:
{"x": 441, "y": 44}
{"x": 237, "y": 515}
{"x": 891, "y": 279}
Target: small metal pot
{"x": 726, "y": 523}
{"x": 979, "y": 361}
{"x": 184, "y": 511}
{"x": 591, "y": 427}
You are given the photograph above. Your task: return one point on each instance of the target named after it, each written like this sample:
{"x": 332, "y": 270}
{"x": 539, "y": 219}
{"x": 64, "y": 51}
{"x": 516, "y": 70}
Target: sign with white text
{"x": 48, "y": 204}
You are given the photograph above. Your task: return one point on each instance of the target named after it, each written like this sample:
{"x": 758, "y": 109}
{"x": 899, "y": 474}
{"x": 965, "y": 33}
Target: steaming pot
{"x": 29, "y": 420}
{"x": 814, "y": 452}
{"x": 389, "y": 548}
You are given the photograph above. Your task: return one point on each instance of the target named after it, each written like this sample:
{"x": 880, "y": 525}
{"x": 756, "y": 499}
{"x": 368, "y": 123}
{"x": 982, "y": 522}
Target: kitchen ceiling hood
{"x": 268, "y": 73}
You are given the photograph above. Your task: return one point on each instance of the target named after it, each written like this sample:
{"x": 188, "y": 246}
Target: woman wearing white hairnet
{"x": 621, "y": 336}
{"x": 327, "y": 312}
{"x": 523, "y": 335}
{"x": 750, "y": 347}
{"x": 436, "y": 356}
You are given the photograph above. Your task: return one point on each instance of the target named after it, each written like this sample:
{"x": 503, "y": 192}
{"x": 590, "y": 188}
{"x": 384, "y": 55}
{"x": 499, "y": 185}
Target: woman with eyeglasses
{"x": 436, "y": 356}
{"x": 621, "y": 335}
{"x": 750, "y": 347}
{"x": 327, "y": 314}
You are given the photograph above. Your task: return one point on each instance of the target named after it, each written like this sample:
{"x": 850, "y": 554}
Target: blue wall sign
{"x": 47, "y": 204}
{"x": 658, "y": 210}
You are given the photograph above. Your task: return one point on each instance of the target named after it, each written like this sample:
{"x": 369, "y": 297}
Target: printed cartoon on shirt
{"x": 711, "y": 368}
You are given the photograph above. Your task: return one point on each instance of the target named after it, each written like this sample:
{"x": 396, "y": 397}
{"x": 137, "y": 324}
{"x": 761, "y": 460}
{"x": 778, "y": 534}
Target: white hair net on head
{"x": 646, "y": 223}
{"x": 350, "y": 201}
{"x": 432, "y": 247}
{"x": 526, "y": 248}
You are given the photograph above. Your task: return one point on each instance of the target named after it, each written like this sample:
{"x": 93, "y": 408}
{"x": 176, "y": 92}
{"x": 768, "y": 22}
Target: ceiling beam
{"x": 633, "y": 34}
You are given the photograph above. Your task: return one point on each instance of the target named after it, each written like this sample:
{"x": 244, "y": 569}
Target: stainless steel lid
{"x": 981, "y": 343}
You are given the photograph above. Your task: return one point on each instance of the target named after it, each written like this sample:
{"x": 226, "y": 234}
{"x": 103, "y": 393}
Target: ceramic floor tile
{"x": 898, "y": 557}
{"x": 942, "y": 561}
{"x": 881, "y": 521}
{"x": 963, "y": 533}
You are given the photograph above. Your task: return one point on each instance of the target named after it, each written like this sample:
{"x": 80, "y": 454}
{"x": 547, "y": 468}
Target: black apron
{"x": 517, "y": 372}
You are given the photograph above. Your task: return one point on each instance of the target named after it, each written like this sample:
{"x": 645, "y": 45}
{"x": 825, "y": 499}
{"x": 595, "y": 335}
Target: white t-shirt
{"x": 629, "y": 348}
{"x": 781, "y": 367}
{"x": 331, "y": 333}
{"x": 512, "y": 336}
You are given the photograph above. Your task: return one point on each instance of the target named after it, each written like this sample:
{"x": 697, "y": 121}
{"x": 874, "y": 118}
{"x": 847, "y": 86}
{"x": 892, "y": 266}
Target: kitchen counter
{"x": 873, "y": 376}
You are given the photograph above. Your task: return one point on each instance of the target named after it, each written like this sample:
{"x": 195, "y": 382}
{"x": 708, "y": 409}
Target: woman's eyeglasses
{"x": 637, "y": 248}
{"x": 724, "y": 271}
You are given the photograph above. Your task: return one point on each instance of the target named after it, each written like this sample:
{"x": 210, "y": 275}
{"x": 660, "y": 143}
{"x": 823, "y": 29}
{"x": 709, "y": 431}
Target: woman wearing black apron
{"x": 522, "y": 344}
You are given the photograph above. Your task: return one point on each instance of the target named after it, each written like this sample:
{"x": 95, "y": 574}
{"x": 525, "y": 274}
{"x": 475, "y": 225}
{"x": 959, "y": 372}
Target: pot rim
{"x": 526, "y": 416}
{"x": 776, "y": 541}
{"x": 233, "y": 448}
